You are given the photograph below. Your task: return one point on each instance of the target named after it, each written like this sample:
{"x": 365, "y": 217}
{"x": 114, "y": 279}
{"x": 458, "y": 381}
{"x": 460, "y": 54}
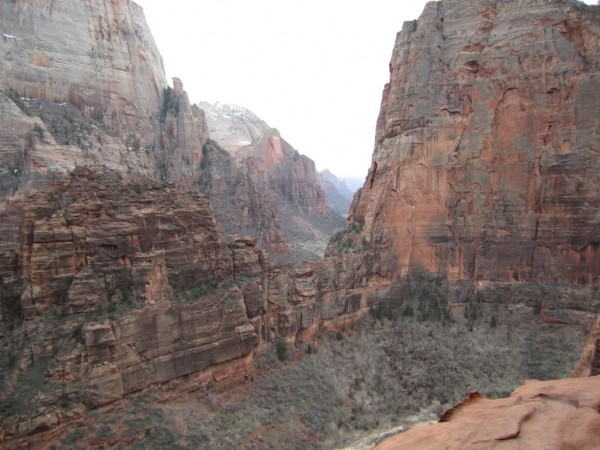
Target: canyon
{"x": 256, "y": 174}
{"x": 147, "y": 242}
{"x": 338, "y": 192}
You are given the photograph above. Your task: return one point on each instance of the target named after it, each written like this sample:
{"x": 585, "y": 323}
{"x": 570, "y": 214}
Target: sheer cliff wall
{"x": 486, "y": 157}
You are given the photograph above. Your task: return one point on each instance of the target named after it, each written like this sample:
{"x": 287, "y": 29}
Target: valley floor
{"x": 348, "y": 385}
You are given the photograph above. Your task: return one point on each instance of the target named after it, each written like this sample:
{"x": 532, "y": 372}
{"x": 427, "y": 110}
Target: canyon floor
{"x": 349, "y": 388}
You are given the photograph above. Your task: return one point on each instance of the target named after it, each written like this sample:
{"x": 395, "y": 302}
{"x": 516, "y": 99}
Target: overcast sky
{"x": 313, "y": 69}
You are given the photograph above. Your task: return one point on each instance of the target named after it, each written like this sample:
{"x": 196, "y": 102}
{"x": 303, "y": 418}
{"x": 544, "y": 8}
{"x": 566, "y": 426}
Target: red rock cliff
{"x": 486, "y": 157}
{"x": 133, "y": 277}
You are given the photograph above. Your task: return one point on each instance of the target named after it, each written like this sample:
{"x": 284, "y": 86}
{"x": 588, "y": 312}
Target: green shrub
{"x": 39, "y": 131}
{"x": 72, "y": 437}
{"x": 204, "y": 288}
{"x": 473, "y": 310}
{"x": 104, "y": 431}
{"x": 342, "y": 241}
{"x": 170, "y": 104}
{"x": 77, "y": 335}
{"x": 12, "y": 303}
{"x": 281, "y": 351}
{"x": 22, "y": 400}
{"x": 17, "y": 100}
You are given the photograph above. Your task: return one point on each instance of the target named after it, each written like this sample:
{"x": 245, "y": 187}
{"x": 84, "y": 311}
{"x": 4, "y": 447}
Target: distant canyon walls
{"x": 260, "y": 185}
{"x": 487, "y": 147}
{"x": 84, "y": 85}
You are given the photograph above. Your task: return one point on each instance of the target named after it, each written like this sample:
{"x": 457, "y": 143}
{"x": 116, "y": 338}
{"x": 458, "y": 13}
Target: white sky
{"x": 313, "y": 69}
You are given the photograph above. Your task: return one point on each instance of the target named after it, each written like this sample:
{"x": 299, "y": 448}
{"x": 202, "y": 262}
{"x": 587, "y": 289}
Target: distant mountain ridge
{"x": 338, "y": 194}
{"x": 273, "y": 192}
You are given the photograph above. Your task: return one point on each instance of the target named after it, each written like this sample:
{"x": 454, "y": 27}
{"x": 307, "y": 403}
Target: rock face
{"x": 96, "y": 55}
{"x": 487, "y": 144}
{"x": 121, "y": 284}
{"x": 540, "y": 414}
{"x": 111, "y": 285}
{"x": 261, "y": 185}
{"x": 184, "y": 132}
{"x": 158, "y": 239}
{"x": 241, "y": 199}
{"x": 87, "y": 77}
{"x": 83, "y": 84}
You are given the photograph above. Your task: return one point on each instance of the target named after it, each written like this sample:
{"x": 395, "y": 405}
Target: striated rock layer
{"x": 486, "y": 158}
{"x": 121, "y": 284}
{"x": 97, "y": 55}
{"x": 82, "y": 82}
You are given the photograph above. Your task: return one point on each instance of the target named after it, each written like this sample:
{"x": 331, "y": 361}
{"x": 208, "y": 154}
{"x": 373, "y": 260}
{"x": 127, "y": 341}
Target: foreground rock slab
{"x": 553, "y": 414}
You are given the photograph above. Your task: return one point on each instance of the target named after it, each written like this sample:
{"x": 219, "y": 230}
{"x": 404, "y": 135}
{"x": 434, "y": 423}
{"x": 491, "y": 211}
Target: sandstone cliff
{"x": 260, "y": 185}
{"x": 112, "y": 285}
{"x": 96, "y": 55}
{"x": 486, "y": 154}
{"x": 83, "y": 84}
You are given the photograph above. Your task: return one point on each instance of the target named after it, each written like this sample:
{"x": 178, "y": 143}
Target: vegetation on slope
{"x": 390, "y": 368}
